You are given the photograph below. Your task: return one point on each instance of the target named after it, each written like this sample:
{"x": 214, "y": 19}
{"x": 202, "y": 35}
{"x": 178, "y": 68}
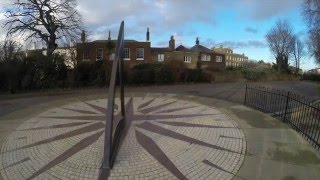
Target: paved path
{"x": 169, "y": 139}
{"x": 193, "y": 137}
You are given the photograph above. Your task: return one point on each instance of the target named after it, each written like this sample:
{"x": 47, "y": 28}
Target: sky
{"x": 238, "y": 24}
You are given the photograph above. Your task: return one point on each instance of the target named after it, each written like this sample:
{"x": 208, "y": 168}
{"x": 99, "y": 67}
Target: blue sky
{"x": 238, "y": 24}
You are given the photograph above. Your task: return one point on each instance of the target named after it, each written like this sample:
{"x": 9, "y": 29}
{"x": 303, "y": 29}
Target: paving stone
{"x": 168, "y": 139}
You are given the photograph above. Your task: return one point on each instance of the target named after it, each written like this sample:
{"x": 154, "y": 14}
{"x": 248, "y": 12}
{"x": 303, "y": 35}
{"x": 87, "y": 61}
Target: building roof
{"x": 114, "y": 40}
{"x": 200, "y": 48}
{"x": 182, "y": 48}
{"x": 159, "y": 49}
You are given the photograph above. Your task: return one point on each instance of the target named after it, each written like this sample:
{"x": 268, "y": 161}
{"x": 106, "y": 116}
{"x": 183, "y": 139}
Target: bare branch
{"x": 44, "y": 19}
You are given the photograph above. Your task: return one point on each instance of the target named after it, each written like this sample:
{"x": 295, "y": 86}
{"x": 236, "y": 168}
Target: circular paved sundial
{"x": 167, "y": 139}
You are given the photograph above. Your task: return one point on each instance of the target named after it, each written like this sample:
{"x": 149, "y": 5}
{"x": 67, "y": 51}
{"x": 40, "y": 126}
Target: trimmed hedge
{"x": 33, "y": 72}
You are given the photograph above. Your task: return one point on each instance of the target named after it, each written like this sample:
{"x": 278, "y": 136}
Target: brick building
{"x": 193, "y": 57}
{"x": 232, "y": 59}
{"x": 134, "y": 51}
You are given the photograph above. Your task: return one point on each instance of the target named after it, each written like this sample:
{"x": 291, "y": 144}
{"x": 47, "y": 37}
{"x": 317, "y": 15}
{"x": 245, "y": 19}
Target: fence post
{"x": 245, "y": 96}
{"x": 286, "y": 109}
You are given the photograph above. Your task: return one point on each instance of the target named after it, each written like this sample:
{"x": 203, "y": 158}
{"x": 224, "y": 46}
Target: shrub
{"x": 253, "y": 74}
{"x": 311, "y": 77}
{"x": 147, "y": 73}
{"x": 162, "y": 75}
{"x": 84, "y": 74}
{"x": 178, "y": 70}
{"x": 142, "y": 74}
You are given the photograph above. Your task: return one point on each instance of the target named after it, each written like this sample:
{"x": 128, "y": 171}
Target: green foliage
{"x": 143, "y": 74}
{"x": 253, "y": 74}
{"x": 164, "y": 73}
{"x": 311, "y": 77}
{"x": 178, "y": 70}
{"x": 89, "y": 73}
{"x": 84, "y": 74}
{"x": 34, "y": 72}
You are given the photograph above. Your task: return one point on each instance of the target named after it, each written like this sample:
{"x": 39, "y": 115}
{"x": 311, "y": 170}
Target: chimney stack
{"x": 109, "y": 36}
{"x": 148, "y": 35}
{"x": 172, "y": 44}
{"x": 34, "y": 45}
{"x": 197, "y": 41}
{"x": 83, "y": 36}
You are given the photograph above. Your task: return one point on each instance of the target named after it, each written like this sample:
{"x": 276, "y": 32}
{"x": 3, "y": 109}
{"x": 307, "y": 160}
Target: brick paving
{"x": 168, "y": 139}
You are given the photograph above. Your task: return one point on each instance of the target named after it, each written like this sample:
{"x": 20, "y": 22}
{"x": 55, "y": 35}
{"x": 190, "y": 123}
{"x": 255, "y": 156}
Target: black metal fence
{"x": 301, "y": 113}
{"x": 114, "y": 128}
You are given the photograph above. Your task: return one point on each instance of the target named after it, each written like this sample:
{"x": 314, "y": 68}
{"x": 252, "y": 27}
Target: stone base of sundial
{"x": 167, "y": 139}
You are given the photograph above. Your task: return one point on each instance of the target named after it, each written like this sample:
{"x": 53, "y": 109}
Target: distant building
{"x": 134, "y": 51}
{"x": 193, "y": 57}
{"x": 209, "y": 58}
{"x": 314, "y": 71}
{"x": 232, "y": 59}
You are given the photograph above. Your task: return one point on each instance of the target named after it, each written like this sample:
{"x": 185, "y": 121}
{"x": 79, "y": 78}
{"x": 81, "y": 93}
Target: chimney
{"x": 83, "y": 36}
{"x": 197, "y": 41}
{"x": 172, "y": 44}
{"x": 148, "y": 35}
{"x": 34, "y": 45}
{"x": 109, "y": 36}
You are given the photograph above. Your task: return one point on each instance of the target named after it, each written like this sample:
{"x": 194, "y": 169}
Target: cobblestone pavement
{"x": 169, "y": 138}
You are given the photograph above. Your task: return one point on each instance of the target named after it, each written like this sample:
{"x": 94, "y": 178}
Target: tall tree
{"x": 280, "y": 41}
{"x": 49, "y": 20}
{"x": 9, "y": 49}
{"x": 311, "y": 14}
{"x": 298, "y": 52}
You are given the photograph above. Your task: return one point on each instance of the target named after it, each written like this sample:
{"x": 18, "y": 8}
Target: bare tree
{"x": 298, "y": 52}
{"x": 49, "y": 20}
{"x": 311, "y": 14}
{"x": 9, "y": 49}
{"x": 280, "y": 41}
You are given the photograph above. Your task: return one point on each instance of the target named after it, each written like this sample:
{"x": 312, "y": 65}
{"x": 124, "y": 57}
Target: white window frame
{"x": 208, "y": 58}
{"x": 187, "y": 59}
{"x": 205, "y": 57}
{"x": 97, "y": 51}
{"x": 219, "y": 59}
{"x": 140, "y": 58}
{"x": 112, "y": 56}
{"x": 160, "y": 57}
{"x": 126, "y": 54}
{"x": 86, "y": 55}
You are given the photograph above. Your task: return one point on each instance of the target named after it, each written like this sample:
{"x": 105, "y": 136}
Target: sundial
{"x": 167, "y": 138}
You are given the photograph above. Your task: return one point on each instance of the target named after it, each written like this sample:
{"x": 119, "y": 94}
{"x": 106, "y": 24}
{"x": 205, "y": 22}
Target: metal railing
{"x": 113, "y": 131}
{"x": 301, "y": 113}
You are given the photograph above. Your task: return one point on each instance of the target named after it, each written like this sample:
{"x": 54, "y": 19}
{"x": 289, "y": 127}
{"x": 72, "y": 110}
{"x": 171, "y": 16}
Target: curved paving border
{"x": 168, "y": 139}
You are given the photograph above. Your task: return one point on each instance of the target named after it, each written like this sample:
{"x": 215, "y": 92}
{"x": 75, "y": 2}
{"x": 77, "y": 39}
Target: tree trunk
{"x": 51, "y": 46}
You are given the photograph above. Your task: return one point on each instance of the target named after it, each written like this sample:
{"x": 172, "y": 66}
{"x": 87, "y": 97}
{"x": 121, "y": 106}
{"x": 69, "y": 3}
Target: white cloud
{"x": 168, "y": 16}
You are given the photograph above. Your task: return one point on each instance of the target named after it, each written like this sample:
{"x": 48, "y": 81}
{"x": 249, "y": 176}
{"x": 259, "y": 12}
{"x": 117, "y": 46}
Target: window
{"x": 112, "y": 56}
{"x": 160, "y": 57}
{"x": 86, "y": 54}
{"x": 126, "y": 52}
{"x": 218, "y": 58}
{"x": 140, "y": 54}
{"x": 187, "y": 59}
{"x": 205, "y": 57}
{"x": 99, "y": 54}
